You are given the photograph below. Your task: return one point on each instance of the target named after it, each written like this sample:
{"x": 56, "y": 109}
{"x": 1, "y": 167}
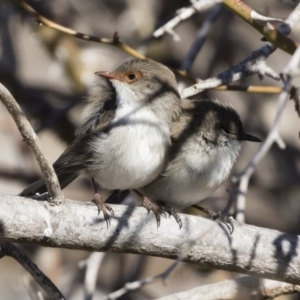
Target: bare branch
{"x": 31, "y": 139}
{"x": 249, "y": 250}
{"x": 92, "y": 264}
{"x": 201, "y": 37}
{"x": 8, "y": 249}
{"x": 253, "y": 64}
{"x": 240, "y": 288}
{"x": 182, "y": 15}
{"x": 115, "y": 41}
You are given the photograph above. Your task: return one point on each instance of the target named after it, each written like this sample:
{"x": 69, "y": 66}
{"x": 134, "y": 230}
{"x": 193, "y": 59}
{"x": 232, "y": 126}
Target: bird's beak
{"x": 250, "y": 138}
{"x": 105, "y": 74}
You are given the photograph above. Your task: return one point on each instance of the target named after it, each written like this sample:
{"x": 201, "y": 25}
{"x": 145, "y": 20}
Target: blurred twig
{"x": 133, "y": 286}
{"x": 31, "y": 139}
{"x": 239, "y": 288}
{"x": 250, "y": 89}
{"x": 8, "y": 249}
{"x": 92, "y": 265}
{"x": 201, "y": 38}
{"x": 182, "y": 15}
{"x": 273, "y": 136}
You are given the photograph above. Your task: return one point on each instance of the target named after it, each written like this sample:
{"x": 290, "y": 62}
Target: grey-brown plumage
{"x": 125, "y": 137}
{"x": 206, "y": 141}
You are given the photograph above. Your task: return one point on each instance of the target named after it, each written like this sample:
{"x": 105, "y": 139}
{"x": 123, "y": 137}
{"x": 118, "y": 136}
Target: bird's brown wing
{"x": 100, "y": 112}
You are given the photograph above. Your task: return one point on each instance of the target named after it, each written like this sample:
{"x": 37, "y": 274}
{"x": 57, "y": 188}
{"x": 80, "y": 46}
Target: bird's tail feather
{"x": 40, "y": 186}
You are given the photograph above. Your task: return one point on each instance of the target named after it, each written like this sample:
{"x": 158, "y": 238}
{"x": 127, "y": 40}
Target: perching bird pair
{"x": 139, "y": 135}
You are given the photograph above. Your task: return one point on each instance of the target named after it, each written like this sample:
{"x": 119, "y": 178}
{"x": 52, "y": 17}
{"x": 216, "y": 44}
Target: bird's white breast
{"x": 133, "y": 153}
{"x": 193, "y": 176}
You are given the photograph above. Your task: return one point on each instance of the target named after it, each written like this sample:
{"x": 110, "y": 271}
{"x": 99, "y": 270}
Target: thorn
{"x": 116, "y": 37}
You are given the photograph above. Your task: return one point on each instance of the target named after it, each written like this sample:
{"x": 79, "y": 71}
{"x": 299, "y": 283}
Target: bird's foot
{"x": 102, "y": 206}
{"x": 157, "y": 210}
{"x": 172, "y": 212}
{"x": 227, "y": 221}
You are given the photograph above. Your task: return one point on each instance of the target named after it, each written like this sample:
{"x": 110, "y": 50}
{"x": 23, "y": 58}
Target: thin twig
{"x": 115, "y": 41}
{"x": 31, "y": 139}
{"x": 8, "y": 249}
{"x": 253, "y": 64}
{"x": 250, "y": 89}
{"x": 135, "y": 285}
{"x": 182, "y": 15}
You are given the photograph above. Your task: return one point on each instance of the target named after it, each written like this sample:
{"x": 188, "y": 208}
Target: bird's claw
{"x": 102, "y": 206}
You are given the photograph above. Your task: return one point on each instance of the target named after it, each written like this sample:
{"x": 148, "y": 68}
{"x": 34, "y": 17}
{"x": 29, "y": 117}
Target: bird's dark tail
{"x": 40, "y": 186}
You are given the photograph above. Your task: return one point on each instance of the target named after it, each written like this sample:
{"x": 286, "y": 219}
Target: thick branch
{"x": 75, "y": 225}
{"x": 31, "y": 139}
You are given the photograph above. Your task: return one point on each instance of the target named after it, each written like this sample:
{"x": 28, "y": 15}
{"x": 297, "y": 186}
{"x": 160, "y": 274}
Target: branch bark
{"x": 75, "y": 225}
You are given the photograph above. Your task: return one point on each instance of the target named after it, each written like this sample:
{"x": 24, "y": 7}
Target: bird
{"x": 124, "y": 140}
{"x": 206, "y": 141}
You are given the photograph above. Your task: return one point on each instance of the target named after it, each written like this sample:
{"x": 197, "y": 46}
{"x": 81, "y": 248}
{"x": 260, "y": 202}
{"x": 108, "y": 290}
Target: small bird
{"x": 125, "y": 137}
{"x": 206, "y": 141}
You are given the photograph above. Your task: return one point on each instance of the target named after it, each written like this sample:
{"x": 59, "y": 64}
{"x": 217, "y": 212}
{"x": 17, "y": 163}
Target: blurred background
{"x": 49, "y": 75}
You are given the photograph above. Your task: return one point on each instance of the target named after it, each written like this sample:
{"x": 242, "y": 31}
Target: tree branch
{"x": 271, "y": 34}
{"x": 8, "y": 249}
{"x": 182, "y": 15}
{"x": 31, "y": 139}
{"x": 75, "y": 225}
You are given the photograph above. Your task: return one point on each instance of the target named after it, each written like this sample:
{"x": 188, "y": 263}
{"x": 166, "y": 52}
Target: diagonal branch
{"x": 182, "y": 15}
{"x": 31, "y": 139}
{"x": 272, "y": 35}
{"x": 115, "y": 41}
{"x": 8, "y": 249}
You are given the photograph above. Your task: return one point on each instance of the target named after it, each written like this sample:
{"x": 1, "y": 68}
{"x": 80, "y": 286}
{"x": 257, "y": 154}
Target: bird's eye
{"x": 225, "y": 130}
{"x": 131, "y": 76}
